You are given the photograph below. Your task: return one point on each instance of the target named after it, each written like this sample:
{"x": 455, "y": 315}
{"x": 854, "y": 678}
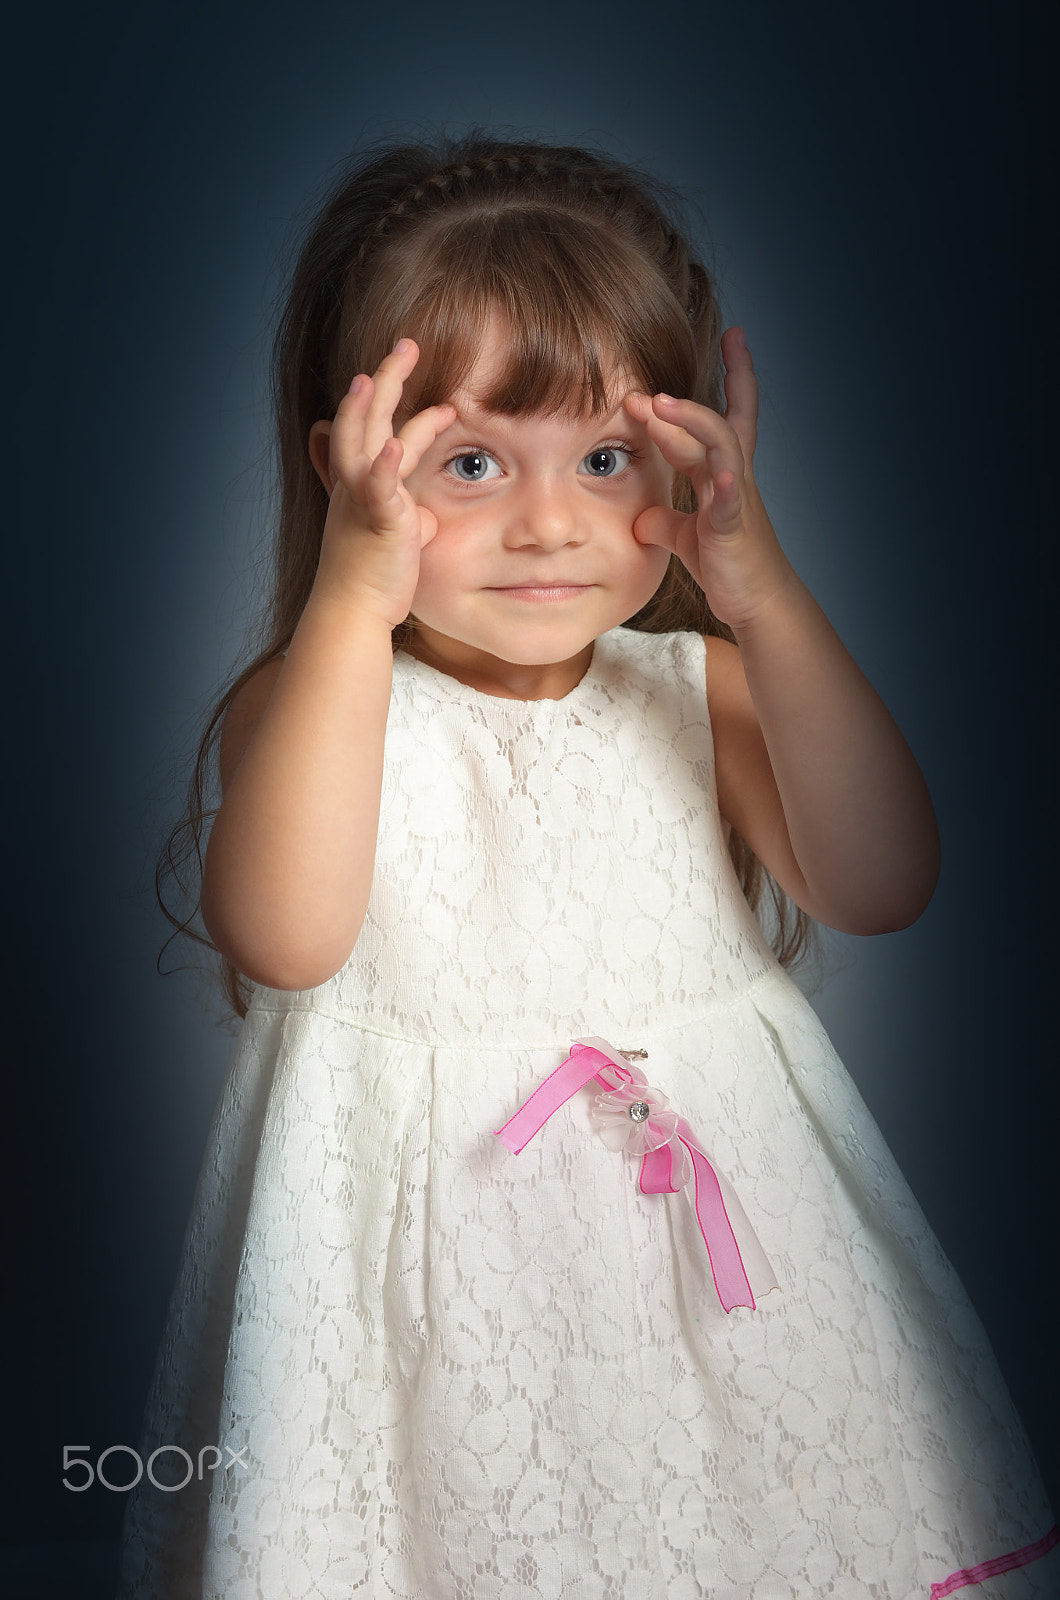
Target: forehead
{"x": 491, "y": 364}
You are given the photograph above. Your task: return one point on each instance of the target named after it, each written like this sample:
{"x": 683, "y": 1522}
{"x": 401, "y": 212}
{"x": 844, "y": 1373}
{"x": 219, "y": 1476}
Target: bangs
{"x": 585, "y": 314}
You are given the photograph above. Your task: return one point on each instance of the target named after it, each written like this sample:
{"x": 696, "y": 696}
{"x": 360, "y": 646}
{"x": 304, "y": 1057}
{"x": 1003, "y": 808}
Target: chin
{"x": 541, "y": 646}
{"x": 532, "y": 653}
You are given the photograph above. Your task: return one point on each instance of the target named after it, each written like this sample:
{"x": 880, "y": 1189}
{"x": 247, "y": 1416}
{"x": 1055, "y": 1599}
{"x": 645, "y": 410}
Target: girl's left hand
{"x": 728, "y": 545}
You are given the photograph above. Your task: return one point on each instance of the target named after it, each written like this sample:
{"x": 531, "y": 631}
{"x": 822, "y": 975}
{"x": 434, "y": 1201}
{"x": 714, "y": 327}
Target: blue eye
{"x": 473, "y": 466}
{"x": 606, "y": 462}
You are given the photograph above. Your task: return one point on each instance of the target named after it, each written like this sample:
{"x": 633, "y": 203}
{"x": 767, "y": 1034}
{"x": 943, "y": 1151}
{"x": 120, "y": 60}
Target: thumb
{"x": 659, "y": 525}
{"x": 428, "y": 525}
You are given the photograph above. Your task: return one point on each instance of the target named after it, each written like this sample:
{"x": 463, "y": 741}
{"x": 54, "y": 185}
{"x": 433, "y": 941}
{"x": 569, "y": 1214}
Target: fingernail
{"x": 666, "y": 399}
{"x": 357, "y": 385}
{"x": 401, "y": 346}
{"x": 741, "y": 338}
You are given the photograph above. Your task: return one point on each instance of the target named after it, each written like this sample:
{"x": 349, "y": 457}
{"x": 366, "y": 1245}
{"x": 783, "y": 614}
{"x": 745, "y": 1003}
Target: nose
{"x": 545, "y": 514}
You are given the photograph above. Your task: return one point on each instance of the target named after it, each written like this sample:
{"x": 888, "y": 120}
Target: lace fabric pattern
{"x": 455, "y": 1373}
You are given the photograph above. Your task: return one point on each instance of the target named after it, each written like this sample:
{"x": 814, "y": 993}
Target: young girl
{"x": 543, "y": 1246}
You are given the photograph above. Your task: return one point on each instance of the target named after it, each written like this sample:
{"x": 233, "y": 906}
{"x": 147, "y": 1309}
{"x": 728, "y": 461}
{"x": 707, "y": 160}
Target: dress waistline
{"x": 318, "y": 1002}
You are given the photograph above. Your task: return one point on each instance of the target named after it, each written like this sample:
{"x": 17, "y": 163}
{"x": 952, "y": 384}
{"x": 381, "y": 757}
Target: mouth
{"x": 542, "y": 593}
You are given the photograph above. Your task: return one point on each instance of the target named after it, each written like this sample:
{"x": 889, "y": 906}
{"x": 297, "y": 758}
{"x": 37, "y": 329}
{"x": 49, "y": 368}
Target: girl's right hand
{"x": 370, "y": 555}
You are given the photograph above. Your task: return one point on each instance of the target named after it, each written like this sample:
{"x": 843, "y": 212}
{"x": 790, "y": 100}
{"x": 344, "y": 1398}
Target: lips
{"x": 542, "y": 593}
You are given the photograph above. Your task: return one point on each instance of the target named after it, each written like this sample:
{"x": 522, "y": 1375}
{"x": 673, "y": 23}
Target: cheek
{"x": 655, "y": 567}
{"x": 636, "y": 568}
{"x": 448, "y": 557}
{"x": 435, "y": 565}
{"x": 458, "y": 533}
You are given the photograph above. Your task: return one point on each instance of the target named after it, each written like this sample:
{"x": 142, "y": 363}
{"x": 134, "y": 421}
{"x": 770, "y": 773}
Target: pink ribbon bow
{"x": 633, "y": 1116}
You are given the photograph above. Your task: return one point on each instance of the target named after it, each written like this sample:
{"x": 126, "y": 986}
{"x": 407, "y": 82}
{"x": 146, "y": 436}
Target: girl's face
{"x": 534, "y": 556}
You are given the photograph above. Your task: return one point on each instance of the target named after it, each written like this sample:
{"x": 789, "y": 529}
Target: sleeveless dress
{"x": 404, "y": 1363}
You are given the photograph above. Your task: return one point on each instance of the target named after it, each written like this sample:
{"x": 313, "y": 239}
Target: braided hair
{"x": 590, "y": 267}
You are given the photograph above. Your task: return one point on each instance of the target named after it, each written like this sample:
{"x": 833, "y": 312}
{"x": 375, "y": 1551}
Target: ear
{"x": 320, "y": 453}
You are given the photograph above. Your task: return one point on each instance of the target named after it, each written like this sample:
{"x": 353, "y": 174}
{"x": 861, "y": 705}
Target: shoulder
{"x": 687, "y": 655}
{"x": 733, "y": 718}
{"x": 243, "y": 715}
{"x": 748, "y": 798}
{"x": 725, "y": 675}
{"x": 678, "y": 655}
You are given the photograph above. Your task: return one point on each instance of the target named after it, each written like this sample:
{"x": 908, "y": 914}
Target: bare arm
{"x": 812, "y": 770}
{"x": 814, "y": 774}
{"x": 289, "y": 865}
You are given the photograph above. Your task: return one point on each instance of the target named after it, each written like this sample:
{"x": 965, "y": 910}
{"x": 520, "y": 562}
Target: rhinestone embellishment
{"x": 640, "y": 1111}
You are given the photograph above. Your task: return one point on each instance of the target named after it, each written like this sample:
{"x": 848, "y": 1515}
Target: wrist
{"x": 352, "y": 605}
{"x": 345, "y": 620}
{"x": 778, "y": 596}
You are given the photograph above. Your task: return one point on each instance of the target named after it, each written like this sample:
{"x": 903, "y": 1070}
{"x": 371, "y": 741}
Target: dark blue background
{"x": 875, "y": 183}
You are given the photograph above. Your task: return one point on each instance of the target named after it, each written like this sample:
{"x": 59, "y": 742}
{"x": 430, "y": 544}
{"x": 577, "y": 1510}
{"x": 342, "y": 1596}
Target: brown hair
{"x": 585, "y": 261}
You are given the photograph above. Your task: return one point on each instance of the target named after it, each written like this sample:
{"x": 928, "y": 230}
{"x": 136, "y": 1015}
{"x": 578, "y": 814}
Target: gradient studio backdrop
{"x": 870, "y": 180}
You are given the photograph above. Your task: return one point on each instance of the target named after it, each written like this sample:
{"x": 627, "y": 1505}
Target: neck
{"x": 506, "y": 680}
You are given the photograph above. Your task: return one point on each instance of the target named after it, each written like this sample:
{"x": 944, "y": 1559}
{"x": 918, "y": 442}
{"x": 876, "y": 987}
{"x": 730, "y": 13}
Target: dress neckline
{"x": 450, "y": 689}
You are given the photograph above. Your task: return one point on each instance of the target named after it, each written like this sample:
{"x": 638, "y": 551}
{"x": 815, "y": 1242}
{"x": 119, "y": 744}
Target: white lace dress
{"x": 431, "y": 1368}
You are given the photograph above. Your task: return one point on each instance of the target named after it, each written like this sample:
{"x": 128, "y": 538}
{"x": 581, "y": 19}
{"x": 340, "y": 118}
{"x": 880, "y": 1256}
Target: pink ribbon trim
{"x": 657, "y": 1175}
{"x": 581, "y": 1065}
{"x": 989, "y": 1569}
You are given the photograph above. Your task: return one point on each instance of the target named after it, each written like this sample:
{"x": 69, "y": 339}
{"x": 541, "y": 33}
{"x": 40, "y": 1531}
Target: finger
{"x": 428, "y": 525}
{"x": 676, "y": 445}
{"x": 669, "y": 417}
{"x": 346, "y": 440}
{"x": 721, "y": 448}
{"x": 421, "y": 431}
{"x": 673, "y": 443}
{"x": 387, "y": 505}
{"x": 659, "y": 525}
{"x": 726, "y": 507}
{"x": 741, "y": 389}
{"x": 638, "y": 404}
{"x": 389, "y": 380}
